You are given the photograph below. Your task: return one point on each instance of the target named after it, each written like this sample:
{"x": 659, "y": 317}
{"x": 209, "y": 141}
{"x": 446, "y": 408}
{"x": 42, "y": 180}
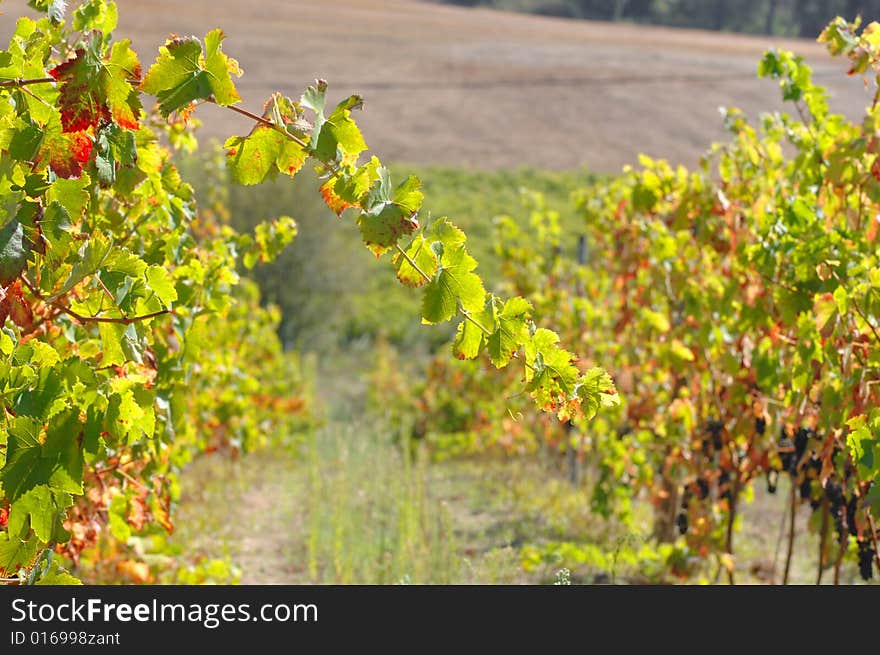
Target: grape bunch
{"x": 836, "y": 505}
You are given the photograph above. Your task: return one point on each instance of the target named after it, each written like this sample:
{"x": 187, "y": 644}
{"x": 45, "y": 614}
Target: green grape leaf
{"x": 595, "y": 389}
{"x": 57, "y": 462}
{"x": 551, "y": 375}
{"x": 182, "y": 74}
{"x": 511, "y": 330}
{"x": 220, "y": 68}
{"x": 425, "y": 259}
{"x": 470, "y": 336}
{"x": 270, "y": 239}
{"x": 14, "y": 251}
{"x": 24, "y": 142}
{"x": 117, "y": 511}
{"x": 16, "y": 553}
{"x": 390, "y": 216}
{"x": 162, "y": 284}
{"x": 56, "y": 576}
{"x": 454, "y": 284}
{"x": 38, "y": 505}
{"x": 97, "y": 15}
{"x": 348, "y": 188}
{"x": 268, "y": 150}
{"x": 73, "y": 195}
{"x": 340, "y": 138}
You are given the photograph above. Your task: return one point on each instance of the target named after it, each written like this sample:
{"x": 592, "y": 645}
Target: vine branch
{"x": 120, "y": 320}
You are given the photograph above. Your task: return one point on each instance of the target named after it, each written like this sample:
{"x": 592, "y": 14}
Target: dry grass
{"x": 448, "y": 85}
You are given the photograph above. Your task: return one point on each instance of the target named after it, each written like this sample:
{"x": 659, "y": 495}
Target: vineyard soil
{"x": 473, "y": 519}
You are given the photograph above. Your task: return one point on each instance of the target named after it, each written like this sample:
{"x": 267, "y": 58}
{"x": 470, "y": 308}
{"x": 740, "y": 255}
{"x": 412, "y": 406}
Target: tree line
{"x": 803, "y": 18}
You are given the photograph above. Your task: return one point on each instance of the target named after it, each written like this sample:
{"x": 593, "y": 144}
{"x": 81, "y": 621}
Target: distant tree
{"x": 804, "y": 18}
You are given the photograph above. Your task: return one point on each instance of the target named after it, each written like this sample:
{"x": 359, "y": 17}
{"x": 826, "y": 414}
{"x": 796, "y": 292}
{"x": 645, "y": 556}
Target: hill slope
{"x": 484, "y": 88}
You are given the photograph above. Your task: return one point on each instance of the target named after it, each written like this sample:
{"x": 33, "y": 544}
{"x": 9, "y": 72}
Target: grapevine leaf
{"x": 39, "y": 398}
{"x": 92, "y": 90}
{"x": 57, "y": 576}
{"x": 421, "y": 254}
{"x": 347, "y": 189}
{"x": 315, "y": 98}
{"x": 36, "y": 504}
{"x": 470, "y": 339}
{"x": 552, "y": 376}
{"x": 389, "y": 217}
{"x": 113, "y": 147}
{"x": 220, "y": 68}
{"x": 182, "y": 74}
{"x": 65, "y": 153}
{"x": 454, "y": 284}
{"x": 15, "y": 553}
{"x": 177, "y": 78}
{"x": 71, "y": 194}
{"x": 54, "y": 8}
{"x": 14, "y": 250}
{"x": 442, "y": 231}
{"x": 267, "y": 150}
{"x": 162, "y": 284}
{"x": 24, "y": 142}
{"x": 96, "y": 15}
{"x": 595, "y": 390}
{"x": 340, "y": 137}
{"x": 270, "y": 238}
{"x": 511, "y": 331}
{"x": 117, "y": 511}
{"x": 56, "y": 463}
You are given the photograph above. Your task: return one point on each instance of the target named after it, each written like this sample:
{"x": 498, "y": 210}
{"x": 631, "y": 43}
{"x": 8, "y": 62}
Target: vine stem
{"x": 263, "y": 121}
{"x": 873, "y": 536}
{"x": 791, "y": 532}
{"x": 461, "y": 310}
{"x": 731, "y": 518}
{"x": 779, "y": 541}
{"x": 823, "y": 539}
{"x": 22, "y": 82}
{"x": 467, "y": 315}
{"x": 120, "y": 320}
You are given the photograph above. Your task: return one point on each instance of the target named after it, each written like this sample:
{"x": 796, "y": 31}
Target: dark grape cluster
{"x": 785, "y": 446}
{"x": 811, "y": 472}
{"x": 715, "y": 428}
{"x": 760, "y": 426}
{"x": 702, "y": 488}
{"x": 836, "y": 506}
{"x": 851, "y": 509}
{"x": 681, "y": 521}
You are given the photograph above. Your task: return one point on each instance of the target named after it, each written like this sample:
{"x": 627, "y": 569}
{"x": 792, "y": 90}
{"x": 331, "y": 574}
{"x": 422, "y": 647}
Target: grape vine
{"x": 129, "y": 341}
{"x": 736, "y": 306}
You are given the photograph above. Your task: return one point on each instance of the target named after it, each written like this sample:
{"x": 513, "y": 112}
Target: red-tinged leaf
{"x": 336, "y": 204}
{"x": 20, "y": 310}
{"x": 92, "y": 89}
{"x": 66, "y": 154}
{"x": 13, "y": 305}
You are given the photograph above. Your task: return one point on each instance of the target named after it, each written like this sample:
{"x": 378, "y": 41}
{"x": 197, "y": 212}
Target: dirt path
{"x": 483, "y": 88}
